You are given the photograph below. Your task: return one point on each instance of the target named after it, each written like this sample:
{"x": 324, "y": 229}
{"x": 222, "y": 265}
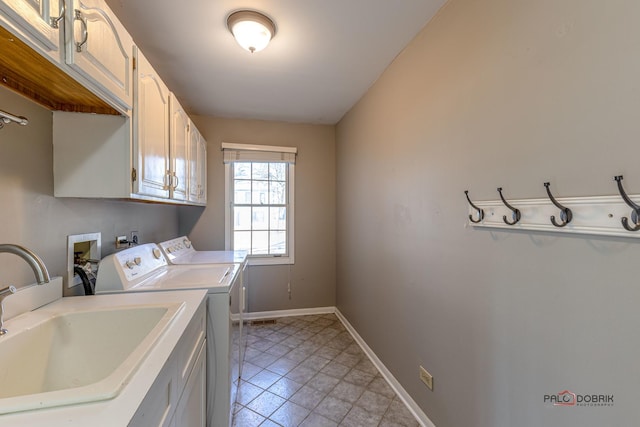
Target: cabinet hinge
{"x": 134, "y": 174}
{"x": 134, "y": 63}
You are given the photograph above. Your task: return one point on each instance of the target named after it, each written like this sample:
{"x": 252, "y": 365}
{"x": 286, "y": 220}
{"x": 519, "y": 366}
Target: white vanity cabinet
{"x": 178, "y": 395}
{"x": 150, "y": 131}
{"x": 197, "y": 167}
{"x": 179, "y": 126}
{"x": 39, "y": 21}
{"x": 99, "y": 48}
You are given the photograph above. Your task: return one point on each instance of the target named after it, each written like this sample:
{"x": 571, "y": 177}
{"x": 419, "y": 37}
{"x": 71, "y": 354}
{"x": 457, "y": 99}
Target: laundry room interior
{"x": 461, "y": 317}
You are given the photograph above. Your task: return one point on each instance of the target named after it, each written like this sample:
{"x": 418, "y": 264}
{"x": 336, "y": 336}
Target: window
{"x": 260, "y": 202}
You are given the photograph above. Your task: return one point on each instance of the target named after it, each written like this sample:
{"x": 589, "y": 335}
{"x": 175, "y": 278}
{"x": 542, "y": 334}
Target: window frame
{"x": 262, "y": 259}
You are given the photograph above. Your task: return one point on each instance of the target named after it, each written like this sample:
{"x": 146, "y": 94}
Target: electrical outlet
{"x": 134, "y": 238}
{"x": 426, "y": 378}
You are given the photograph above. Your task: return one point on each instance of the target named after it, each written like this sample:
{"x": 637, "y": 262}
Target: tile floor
{"x": 308, "y": 371}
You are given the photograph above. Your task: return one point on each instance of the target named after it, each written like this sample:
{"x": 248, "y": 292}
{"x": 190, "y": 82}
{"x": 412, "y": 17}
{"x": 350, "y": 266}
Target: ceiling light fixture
{"x": 252, "y": 30}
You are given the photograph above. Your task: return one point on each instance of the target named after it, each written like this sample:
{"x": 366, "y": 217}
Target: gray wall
{"x": 32, "y": 217}
{"x": 313, "y": 275}
{"x": 496, "y": 93}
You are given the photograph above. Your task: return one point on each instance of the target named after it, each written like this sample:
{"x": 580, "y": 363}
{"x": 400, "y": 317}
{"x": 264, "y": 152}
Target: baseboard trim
{"x": 260, "y": 315}
{"x": 418, "y": 414}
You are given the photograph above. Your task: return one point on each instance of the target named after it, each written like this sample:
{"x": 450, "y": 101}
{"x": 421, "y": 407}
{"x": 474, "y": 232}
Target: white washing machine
{"x": 180, "y": 251}
{"x": 144, "y": 268}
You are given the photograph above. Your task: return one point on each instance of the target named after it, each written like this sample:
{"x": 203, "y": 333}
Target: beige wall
{"x": 496, "y": 93}
{"x": 32, "y": 217}
{"x": 313, "y": 275}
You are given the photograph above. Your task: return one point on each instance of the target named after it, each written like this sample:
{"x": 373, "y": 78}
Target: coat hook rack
{"x": 480, "y": 211}
{"x": 635, "y": 214}
{"x": 516, "y": 212}
{"x": 588, "y": 215}
{"x": 6, "y": 118}
{"x": 565, "y": 213}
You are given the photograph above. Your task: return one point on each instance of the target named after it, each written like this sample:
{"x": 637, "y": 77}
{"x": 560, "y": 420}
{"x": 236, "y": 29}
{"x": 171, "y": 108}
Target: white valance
{"x": 258, "y": 153}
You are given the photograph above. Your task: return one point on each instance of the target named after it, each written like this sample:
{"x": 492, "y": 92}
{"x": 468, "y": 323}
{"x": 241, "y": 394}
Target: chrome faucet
{"x": 36, "y": 264}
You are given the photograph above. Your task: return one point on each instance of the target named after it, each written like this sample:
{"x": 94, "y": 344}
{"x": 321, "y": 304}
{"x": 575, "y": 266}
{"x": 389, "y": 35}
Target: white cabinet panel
{"x": 159, "y": 405}
{"x": 151, "y": 131}
{"x": 100, "y": 49}
{"x": 197, "y": 167}
{"x": 191, "y": 409}
{"x": 34, "y": 20}
{"x": 179, "y": 127}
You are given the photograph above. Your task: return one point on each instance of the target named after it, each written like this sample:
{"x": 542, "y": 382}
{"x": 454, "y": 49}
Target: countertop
{"x": 119, "y": 410}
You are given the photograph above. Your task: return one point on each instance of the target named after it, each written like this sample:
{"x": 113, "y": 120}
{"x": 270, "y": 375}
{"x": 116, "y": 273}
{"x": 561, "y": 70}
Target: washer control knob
{"x": 137, "y": 260}
{"x": 157, "y": 254}
{"x": 130, "y": 264}
{"x": 187, "y": 243}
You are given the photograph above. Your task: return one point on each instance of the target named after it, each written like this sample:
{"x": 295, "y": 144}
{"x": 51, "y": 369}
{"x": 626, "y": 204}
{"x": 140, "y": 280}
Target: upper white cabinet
{"x": 151, "y": 132}
{"x": 139, "y": 144}
{"x": 40, "y": 21}
{"x": 163, "y": 141}
{"x": 197, "y": 167}
{"x": 179, "y": 125}
{"x": 100, "y": 49}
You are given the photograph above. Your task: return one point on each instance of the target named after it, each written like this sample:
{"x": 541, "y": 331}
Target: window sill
{"x": 273, "y": 260}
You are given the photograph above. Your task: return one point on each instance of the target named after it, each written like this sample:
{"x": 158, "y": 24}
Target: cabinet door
{"x": 179, "y": 140}
{"x": 151, "y": 131}
{"x": 202, "y": 170}
{"x": 159, "y": 405}
{"x": 194, "y": 187}
{"x": 191, "y": 409}
{"x": 100, "y": 49}
{"x": 197, "y": 167}
{"x": 34, "y": 19}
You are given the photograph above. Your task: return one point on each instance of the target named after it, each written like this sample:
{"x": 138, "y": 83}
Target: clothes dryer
{"x": 180, "y": 251}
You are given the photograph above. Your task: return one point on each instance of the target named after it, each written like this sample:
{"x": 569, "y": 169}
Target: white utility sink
{"x": 51, "y": 358}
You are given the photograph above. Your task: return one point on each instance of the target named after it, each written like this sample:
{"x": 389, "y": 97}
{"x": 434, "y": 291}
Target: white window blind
{"x": 258, "y": 153}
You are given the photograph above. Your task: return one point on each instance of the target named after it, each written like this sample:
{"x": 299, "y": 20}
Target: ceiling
{"x": 324, "y": 57}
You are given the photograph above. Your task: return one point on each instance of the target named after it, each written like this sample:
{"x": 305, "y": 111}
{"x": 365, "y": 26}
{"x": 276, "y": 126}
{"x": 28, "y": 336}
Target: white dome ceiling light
{"x": 252, "y": 30}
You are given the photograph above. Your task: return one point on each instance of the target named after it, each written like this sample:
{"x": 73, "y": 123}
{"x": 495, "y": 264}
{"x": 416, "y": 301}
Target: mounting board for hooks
{"x": 598, "y": 215}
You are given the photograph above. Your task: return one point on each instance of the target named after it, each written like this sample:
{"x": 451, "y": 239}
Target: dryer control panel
{"x": 177, "y": 247}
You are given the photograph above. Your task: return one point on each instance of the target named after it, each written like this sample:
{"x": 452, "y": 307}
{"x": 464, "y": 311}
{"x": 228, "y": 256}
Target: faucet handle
{"x": 9, "y": 290}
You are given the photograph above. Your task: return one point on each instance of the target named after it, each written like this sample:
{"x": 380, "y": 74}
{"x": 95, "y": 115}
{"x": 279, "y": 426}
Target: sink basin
{"x": 74, "y": 357}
